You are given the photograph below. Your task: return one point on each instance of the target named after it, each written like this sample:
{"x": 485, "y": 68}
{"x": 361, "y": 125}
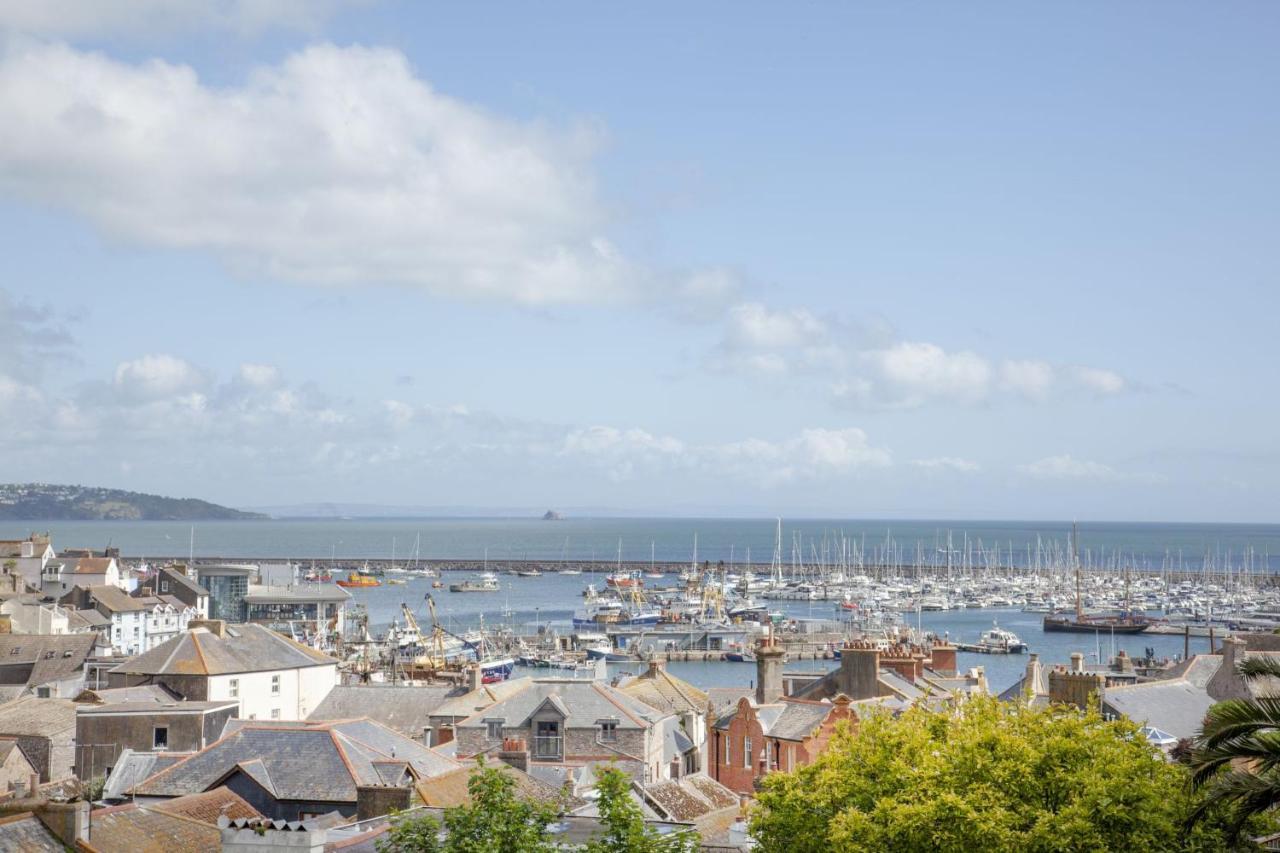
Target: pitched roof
{"x": 582, "y": 703}
{"x": 246, "y": 648}
{"x": 799, "y": 720}
{"x": 688, "y": 798}
{"x": 25, "y": 832}
{"x": 321, "y": 762}
{"x": 1175, "y": 705}
{"x": 53, "y": 657}
{"x": 181, "y": 579}
{"x": 451, "y": 789}
{"x": 660, "y": 689}
{"x": 133, "y": 767}
{"x": 722, "y": 698}
{"x": 408, "y": 710}
{"x": 208, "y": 806}
{"x": 115, "y": 600}
{"x": 92, "y": 565}
{"x": 131, "y": 828}
{"x": 31, "y": 715}
{"x": 466, "y": 704}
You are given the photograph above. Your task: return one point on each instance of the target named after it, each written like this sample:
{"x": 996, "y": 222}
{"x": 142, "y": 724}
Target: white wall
{"x": 301, "y": 690}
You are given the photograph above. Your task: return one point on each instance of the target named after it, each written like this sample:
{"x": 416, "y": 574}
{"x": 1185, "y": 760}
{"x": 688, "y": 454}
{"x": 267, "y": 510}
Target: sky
{"x": 926, "y": 260}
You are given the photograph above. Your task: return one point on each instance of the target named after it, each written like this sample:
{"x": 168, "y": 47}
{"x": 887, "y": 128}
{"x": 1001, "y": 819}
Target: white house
{"x": 273, "y": 677}
{"x": 137, "y": 623}
{"x": 28, "y": 556}
{"x": 60, "y": 576}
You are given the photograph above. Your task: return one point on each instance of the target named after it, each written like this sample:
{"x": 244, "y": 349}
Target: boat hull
{"x": 1073, "y": 627}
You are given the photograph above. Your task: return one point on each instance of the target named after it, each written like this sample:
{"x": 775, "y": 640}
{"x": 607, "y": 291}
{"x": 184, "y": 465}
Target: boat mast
{"x": 1075, "y": 558}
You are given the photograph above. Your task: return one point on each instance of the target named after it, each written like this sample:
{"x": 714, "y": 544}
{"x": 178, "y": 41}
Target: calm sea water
{"x": 1149, "y": 545}
{"x": 527, "y": 603}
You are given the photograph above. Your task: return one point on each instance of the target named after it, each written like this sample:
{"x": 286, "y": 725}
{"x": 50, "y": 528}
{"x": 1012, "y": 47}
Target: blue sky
{"x": 872, "y": 260}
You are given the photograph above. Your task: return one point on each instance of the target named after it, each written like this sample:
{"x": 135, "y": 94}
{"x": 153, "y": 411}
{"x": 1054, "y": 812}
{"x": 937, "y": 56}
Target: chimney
{"x": 475, "y": 677}
{"x": 860, "y": 671}
{"x": 942, "y": 658}
{"x": 1077, "y": 661}
{"x": 217, "y": 627}
{"x": 376, "y": 800}
{"x": 515, "y": 752}
{"x": 770, "y": 658}
{"x": 1032, "y": 679}
{"x": 656, "y": 665}
{"x": 1227, "y": 683}
{"x": 68, "y": 821}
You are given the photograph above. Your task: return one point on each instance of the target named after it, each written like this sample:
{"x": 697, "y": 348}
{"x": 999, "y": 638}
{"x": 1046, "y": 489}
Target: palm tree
{"x": 1236, "y": 758}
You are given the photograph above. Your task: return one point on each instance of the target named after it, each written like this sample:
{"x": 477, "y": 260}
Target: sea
{"x": 547, "y": 602}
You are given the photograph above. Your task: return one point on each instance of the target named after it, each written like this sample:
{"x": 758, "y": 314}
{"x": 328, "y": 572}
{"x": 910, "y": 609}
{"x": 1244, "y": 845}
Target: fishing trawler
{"x": 1126, "y": 622}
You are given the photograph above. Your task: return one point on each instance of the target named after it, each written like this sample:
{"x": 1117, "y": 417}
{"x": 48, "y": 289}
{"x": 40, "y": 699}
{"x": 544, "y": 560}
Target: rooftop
{"x": 321, "y": 762}
{"x": 408, "y": 710}
{"x": 293, "y": 594}
{"x": 31, "y": 715}
{"x": 581, "y": 703}
{"x": 246, "y": 648}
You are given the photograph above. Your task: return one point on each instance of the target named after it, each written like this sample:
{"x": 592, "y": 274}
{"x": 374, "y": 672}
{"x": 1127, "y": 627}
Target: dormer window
{"x": 493, "y": 728}
{"x": 608, "y": 730}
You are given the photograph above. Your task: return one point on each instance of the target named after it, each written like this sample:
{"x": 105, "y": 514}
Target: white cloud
{"x": 338, "y": 165}
{"x": 1030, "y": 378}
{"x": 1067, "y": 467}
{"x": 607, "y": 440}
{"x": 947, "y": 463}
{"x": 752, "y": 325}
{"x": 1099, "y": 380}
{"x": 78, "y": 18}
{"x": 154, "y": 376}
{"x": 259, "y": 375}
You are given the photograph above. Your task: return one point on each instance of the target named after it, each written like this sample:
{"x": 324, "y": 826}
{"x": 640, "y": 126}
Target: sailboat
{"x": 1082, "y": 623}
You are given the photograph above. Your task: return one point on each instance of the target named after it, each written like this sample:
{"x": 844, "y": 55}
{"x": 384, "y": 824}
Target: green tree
{"x": 1235, "y": 761}
{"x": 624, "y": 828}
{"x": 984, "y": 775}
{"x": 496, "y": 821}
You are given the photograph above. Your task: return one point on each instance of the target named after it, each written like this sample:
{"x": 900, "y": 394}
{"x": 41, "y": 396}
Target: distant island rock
{"x": 552, "y": 515}
{"x": 46, "y": 502}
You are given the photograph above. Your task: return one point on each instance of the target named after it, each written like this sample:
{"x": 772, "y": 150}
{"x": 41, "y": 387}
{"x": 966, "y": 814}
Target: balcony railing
{"x": 546, "y": 746}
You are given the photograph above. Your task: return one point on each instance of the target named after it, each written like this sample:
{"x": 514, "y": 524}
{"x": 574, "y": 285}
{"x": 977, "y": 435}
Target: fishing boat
{"x": 356, "y": 579}
{"x": 606, "y": 653}
{"x": 623, "y": 580}
{"x": 528, "y": 573}
{"x": 740, "y": 657}
{"x": 487, "y": 582}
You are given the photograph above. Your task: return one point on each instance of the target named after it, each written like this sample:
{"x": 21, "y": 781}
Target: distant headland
{"x": 49, "y": 502}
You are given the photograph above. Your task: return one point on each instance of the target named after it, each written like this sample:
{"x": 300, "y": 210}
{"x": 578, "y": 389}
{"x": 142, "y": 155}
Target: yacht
{"x": 486, "y": 582}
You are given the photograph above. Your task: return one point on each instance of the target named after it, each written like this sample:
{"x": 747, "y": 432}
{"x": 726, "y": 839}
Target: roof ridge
{"x": 195, "y": 641}
{"x": 342, "y": 753}
{"x": 675, "y": 683}
{"x": 600, "y": 689}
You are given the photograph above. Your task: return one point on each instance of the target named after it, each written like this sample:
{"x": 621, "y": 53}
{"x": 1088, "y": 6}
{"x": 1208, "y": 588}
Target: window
{"x": 608, "y": 731}
{"x": 161, "y": 738}
{"x": 164, "y": 586}
{"x": 728, "y": 750}
{"x": 43, "y": 692}
{"x": 234, "y": 684}
{"x": 275, "y": 685}
{"x": 15, "y": 650}
{"x": 275, "y": 713}
{"x": 494, "y": 729}
{"x": 746, "y": 752}
{"x": 546, "y": 740}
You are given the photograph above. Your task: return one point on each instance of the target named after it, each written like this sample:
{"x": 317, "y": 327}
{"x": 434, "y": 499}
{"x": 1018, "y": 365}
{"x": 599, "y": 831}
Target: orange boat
{"x": 357, "y": 579}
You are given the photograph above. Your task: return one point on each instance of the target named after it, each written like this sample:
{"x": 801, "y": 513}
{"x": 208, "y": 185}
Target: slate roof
{"x": 157, "y": 706}
{"x": 88, "y": 619}
{"x": 582, "y": 703}
{"x": 408, "y": 710}
{"x": 138, "y": 693}
{"x": 26, "y": 833}
{"x": 53, "y": 657}
{"x": 31, "y": 715}
{"x": 660, "y": 689}
{"x": 724, "y": 698}
{"x": 466, "y": 704}
{"x": 176, "y": 577}
{"x": 133, "y": 767}
{"x": 246, "y": 648}
{"x": 798, "y": 720}
{"x": 319, "y": 762}
{"x": 450, "y": 789}
{"x": 1175, "y": 705}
